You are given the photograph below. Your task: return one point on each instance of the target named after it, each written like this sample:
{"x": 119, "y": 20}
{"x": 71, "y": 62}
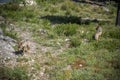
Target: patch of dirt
{"x": 79, "y": 63}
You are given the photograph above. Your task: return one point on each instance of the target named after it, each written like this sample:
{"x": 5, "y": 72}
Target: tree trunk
{"x": 118, "y": 16}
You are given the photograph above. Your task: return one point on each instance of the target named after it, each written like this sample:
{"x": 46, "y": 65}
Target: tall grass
{"x": 66, "y": 29}
{"x": 13, "y": 74}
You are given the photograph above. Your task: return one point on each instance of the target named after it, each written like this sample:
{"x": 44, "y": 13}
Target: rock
{"x": 1, "y": 37}
{"x": 42, "y": 31}
{"x": 6, "y": 50}
{"x": 82, "y": 31}
{"x": 68, "y": 67}
{"x": 67, "y": 39}
{"x": 80, "y": 65}
{"x": 2, "y": 20}
{"x": 8, "y": 40}
{"x": 30, "y": 2}
{"x": 1, "y": 32}
{"x": 85, "y": 40}
{"x": 10, "y": 27}
{"x": 106, "y": 9}
{"x": 6, "y": 46}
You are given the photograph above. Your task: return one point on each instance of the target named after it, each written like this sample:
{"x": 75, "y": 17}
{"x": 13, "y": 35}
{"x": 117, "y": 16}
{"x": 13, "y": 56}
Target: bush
{"x": 112, "y": 33}
{"x": 66, "y": 29}
{"x": 68, "y": 5}
{"x": 75, "y": 42}
{"x": 53, "y": 10}
{"x": 109, "y": 45}
{"x": 13, "y": 74}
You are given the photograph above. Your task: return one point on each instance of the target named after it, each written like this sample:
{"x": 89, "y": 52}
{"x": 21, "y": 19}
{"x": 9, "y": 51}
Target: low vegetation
{"x": 66, "y": 49}
{"x": 18, "y": 73}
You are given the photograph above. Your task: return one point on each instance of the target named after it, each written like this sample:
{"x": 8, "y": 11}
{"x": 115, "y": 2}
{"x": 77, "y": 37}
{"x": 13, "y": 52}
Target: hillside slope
{"x": 61, "y": 41}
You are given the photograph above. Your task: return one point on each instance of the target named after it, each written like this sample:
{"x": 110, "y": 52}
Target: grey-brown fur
{"x": 24, "y": 46}
{"x": 98, "y": 32}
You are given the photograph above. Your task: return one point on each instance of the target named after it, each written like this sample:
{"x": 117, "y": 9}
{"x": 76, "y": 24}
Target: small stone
{"x": 42, "y": 31}
{"x": 67, "y": 39}
{"x": 8, "y": 57}
{"x": 80, "y": 65}
{"x": 85, "y": 40}
{"x": 58, "y": 43}
{"x": 1, "y": 32}
{"x": 82, "y": 31}
{"x": 32, "y": 60}
{"x": 106, "y": 9}
{"x": 41, "y": 73}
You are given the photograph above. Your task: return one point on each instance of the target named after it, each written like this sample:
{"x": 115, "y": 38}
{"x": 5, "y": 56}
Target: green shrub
{"x": 66, "y": 29}
{"x": 68, "y": 5}
{"x": 13, "y": 74}
{"x": 68, "y": 12}
{"x": 53, "y": 10}
{"x": 75, "y": 42}
{"x": 86, "y": 74}
{"x": 51, "y": 35}
{"x": 112, "y": 33}
{"x": 56, "y": 75}
{"x": 64, "y": 7}
{"x": 109, "y": 45}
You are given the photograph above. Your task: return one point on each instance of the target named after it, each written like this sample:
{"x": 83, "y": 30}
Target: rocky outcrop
{"x": 28, "y": 3}
{"x": 6, "y": 47}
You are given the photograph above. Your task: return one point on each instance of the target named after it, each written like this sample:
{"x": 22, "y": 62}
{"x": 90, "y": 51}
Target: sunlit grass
{"x": 99, "y": 59}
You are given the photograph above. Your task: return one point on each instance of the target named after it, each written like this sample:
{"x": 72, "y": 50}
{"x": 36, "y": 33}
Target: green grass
{"x": 13, "y": 74}
{"x": 62, "y": 20}
{"x": 9, "y": 32}
{"x": 66, "y": 29}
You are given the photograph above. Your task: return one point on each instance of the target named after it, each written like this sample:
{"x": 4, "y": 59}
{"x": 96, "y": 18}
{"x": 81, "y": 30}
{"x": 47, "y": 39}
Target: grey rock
{"x": 6, "y": 50}
{"x": 6, "y": 47}
{"x": 106, "y": 9}
{"x": 42, "y": 31}
{"x": 9, "y": 39}
{"x": 1, "y": 37}
{"x": 2, "y": 20}
{"x": 1, "y": 32}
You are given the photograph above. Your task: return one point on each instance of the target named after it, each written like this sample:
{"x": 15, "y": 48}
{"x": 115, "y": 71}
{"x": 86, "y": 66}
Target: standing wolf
{"x": 98, "y": 32}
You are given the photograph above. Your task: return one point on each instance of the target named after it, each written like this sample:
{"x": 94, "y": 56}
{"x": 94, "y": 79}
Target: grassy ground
{"x": 81, "y": 58}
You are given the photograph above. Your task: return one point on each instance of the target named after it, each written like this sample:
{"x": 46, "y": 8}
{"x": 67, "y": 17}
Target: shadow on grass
{"x": 67, "y": 19}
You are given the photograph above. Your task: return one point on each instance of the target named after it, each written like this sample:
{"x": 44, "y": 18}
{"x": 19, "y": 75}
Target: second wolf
{"x": 98, "y": 32}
